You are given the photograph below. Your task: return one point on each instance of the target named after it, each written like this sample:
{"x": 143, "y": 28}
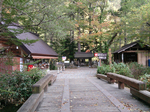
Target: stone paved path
{"x": 78, "y": 90}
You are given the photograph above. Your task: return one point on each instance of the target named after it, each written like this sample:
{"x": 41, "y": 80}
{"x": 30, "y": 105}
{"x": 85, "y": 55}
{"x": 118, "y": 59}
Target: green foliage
{"x": 52, "y": 65}
{"x": 68, "y": 48}
{"x": 137, "y": 70}
{"x": 125, "y": 71}
{"x": 122, "y": 69}
{"x": 146, "y": 78}
{"x": 16, "y": 87}
{"x": 135, "y": 19}
{"x": 104, "y": 69}
{"x": 119, "y": 66}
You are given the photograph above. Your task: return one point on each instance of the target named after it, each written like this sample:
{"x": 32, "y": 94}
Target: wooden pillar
{"x": 122, "y": 57}
{"x": 90, "y": 63}
{"x": 111, "y": 81}
{"x": 120, "y": 85}
{"x": 110, "y": 55}
{"x": 78, "y": 62}
{"x": 99, "y": 62}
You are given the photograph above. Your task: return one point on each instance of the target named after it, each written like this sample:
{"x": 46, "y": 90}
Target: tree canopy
{"x": 94, "y": 25}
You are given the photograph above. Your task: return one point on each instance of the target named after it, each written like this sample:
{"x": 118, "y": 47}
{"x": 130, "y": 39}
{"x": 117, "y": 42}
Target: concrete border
{"x": 65, "y": 106}
{"x": 120, "y": 106}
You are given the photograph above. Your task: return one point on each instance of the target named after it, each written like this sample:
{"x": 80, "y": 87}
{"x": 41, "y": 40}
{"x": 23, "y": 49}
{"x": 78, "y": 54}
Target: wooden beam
{"x": 135, "y": 51}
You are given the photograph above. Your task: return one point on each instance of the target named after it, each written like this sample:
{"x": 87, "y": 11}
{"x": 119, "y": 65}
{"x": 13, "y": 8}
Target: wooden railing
{"x": 38, "y": 90}
{"x": 137, "y": 88}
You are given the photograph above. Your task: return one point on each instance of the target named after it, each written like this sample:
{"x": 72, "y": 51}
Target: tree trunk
{"x": 79, "y": 44}
{"x": 90, "y": 6}
{"x": 72, "y": 31}
{"x": 1, "y": 2}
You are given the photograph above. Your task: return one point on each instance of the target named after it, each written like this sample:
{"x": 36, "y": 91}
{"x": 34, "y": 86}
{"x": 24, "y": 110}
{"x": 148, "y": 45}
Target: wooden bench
{"x": 32, "y": 102}
{"x": 38, "y": 90}
{"x": 142, "y": 94}
{"x": 138, "y": 85}
{"x": 137, "y": 88}
{"x": 42, "y": 84}
{"x": 101, "y": 76}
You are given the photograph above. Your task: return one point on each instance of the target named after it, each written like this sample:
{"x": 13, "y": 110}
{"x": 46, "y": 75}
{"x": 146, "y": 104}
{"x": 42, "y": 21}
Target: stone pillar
{"x": 58, "y": 70}
{"x": 61, "y": 69}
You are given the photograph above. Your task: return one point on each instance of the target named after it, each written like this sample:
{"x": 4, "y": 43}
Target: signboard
{"x": 102, "y": 55}
{"x": 63, "y": 58}
{"x": 66, "y": 62}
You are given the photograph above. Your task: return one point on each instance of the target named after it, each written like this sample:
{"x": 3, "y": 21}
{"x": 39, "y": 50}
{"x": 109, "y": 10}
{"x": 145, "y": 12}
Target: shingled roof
{"x": 83, "y": 55}
{"x": 127, "y": 46}
{"x": 39, "y": 49}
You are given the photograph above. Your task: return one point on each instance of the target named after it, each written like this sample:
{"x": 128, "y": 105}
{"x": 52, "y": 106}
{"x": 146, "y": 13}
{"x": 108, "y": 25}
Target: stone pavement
{"x": 78, "y": 90}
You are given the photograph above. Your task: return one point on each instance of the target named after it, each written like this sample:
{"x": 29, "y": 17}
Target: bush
{"x": 125, "y": 71}
{"x": 137, "y": 70}
{"x": 146, "y": 78}
{"x": 105, "y": 69}
{"x": 119, "y": 66}
{"x": 17, "y": 87}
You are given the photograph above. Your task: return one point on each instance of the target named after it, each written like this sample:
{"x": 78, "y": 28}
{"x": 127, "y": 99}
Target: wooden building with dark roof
{"x": 23, "y": 52}
{"x": 81, "y": 56}
{"x": 134, "y": 52}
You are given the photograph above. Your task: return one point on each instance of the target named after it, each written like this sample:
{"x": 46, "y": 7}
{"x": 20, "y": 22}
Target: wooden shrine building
{"x": 81, "y": 56}
{"x": 133, "y": 52}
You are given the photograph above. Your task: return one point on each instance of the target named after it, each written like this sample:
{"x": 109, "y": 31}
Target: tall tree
{"x": 134, "y": 18}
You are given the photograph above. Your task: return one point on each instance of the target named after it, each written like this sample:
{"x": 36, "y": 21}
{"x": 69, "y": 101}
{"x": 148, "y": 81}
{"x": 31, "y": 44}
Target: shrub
{"x": 137, "y": 70}
{"x": 125, "y": 71}
{"x": 119, "y": 66}
{"x": 146, "y": 78}
{"x": 105, "y": 69}
{"x": 17, "y": 87}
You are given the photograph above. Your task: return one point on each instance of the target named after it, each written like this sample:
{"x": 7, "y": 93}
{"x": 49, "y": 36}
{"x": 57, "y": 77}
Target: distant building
{"x": 133, "y": 52}
{"x": 81, "y": 56}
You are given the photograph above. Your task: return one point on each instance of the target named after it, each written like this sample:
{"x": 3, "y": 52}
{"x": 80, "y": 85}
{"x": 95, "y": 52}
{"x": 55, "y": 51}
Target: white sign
{"x": 63, "y": 58}
{"x": 102, "y": 55}
{"x": 66, "y": 62}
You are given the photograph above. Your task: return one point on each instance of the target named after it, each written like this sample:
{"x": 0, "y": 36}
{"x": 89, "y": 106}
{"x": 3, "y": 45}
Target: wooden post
{"x": 99, "y": 62}
{"x": 120, "y": 85}
{"x": 122, "y": 57}
{"x": 110, "y": 62}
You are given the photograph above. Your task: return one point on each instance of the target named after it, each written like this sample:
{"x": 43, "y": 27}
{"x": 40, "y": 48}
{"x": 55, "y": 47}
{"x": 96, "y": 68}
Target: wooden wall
{"x": 143, "y": 57}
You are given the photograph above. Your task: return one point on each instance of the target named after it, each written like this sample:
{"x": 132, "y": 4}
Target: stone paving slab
{"x": 124, "y": 96}
{"x": 82, "y": 93}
